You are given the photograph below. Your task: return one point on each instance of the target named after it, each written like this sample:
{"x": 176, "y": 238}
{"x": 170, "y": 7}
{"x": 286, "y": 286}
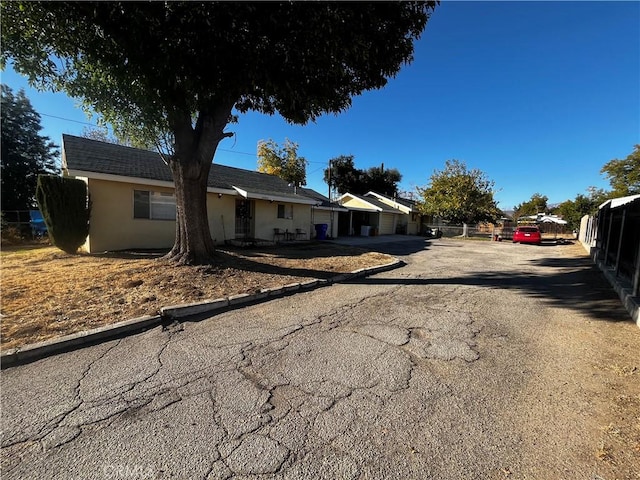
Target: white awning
{"x": 275, "y": 197}
{"x": 618, "y": 202}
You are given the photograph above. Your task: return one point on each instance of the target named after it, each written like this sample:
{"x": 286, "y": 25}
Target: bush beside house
{"x": 65, "y": 208}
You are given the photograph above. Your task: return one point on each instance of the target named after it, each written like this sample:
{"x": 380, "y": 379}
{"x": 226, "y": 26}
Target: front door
{"x": 244, "y": 217}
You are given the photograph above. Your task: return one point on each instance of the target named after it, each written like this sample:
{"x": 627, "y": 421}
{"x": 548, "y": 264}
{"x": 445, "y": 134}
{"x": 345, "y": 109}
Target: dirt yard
{"x": 47, "y": 293}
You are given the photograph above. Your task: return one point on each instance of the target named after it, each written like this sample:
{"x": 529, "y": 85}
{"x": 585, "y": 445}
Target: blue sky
{"x": 538, "y": 95}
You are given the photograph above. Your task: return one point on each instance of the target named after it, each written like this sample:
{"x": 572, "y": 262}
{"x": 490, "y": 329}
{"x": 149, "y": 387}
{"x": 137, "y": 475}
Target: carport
{"x": 618, "y": 239}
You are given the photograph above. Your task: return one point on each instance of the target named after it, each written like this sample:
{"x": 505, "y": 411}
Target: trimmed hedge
{"x": 64, "y": 205}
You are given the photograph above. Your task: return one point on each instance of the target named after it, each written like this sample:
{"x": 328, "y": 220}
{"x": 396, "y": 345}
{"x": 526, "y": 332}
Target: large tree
{"x": 187, "y": 69}
{"x": 25, "y": 153}
{"x": 624, "y": 175}
{"x": 459, "y": 195}
{"x": 342, "y": 176}
{"x": 283, "y": 162}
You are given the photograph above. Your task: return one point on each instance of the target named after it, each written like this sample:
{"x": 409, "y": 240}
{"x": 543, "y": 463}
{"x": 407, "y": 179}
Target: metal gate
{"x": 244, "y": 215}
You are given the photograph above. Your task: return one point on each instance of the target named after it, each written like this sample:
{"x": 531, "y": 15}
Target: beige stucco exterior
{"x": 409, "y": 219}
{"x": 383, "y": 222}
{"x": 352, "y": 202}
{"x": 113, "y": 226}
{"x": 328, "y": 216}
{"x": 266, "y": 219}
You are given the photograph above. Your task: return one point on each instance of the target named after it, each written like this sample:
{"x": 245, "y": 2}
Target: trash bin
{"x": 321, "y": 231}
{"x": 365, "y": 230}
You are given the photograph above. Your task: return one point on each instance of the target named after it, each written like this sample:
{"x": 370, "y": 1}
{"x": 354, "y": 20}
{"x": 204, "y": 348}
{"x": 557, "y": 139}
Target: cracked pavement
{"x": 434, "y": 370}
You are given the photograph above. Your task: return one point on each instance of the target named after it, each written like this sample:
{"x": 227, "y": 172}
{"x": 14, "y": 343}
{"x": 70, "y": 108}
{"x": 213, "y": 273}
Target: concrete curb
{"x": 28, "y": 353}
{"x": 170, "y": 314}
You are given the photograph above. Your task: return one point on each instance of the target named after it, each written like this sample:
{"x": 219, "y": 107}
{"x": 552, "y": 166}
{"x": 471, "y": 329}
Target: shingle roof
{"x": 87, "y": 155}
{"x": 322, "y": 200}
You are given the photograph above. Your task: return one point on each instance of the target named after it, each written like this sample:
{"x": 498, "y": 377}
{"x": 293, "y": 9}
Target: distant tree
{"x": 598, "y": 196}
{"x": 283, "y": 162}
{"x": 100, "y": 134}
{"x": 537, "y": 204}
{"x": 459, "y": 195}
{"x": 379, "y": 180}
{"x": 343, "y": 177}
{"x": 573, "y": 210}
{"x": 176, "y": 71}
{"x": 25, "y": 153}
{"x": 624, "y": 175}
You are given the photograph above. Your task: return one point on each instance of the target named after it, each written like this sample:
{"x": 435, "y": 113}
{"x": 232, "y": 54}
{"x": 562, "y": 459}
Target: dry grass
{"x": 47, "y": 293}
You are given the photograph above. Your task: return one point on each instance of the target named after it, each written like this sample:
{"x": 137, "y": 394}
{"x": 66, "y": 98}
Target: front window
{"x": 154, "y": 205}
{"x": 285, "y": 211}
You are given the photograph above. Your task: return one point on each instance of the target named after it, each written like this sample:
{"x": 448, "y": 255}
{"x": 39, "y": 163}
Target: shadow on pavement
{"x": 580, "y": 286}
{"x": 394, "y": 245}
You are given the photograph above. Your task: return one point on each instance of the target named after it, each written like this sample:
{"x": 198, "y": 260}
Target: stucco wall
{"x": 266, "y": 219}
{"x": 221, "y": 213}
{"x": 355, "y": 203}
{"x": 325, "y": 216}
{"x": 112, "y": 226}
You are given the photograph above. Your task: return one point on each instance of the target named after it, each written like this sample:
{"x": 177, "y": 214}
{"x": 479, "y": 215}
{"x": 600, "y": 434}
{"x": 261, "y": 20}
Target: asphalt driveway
{"x": 475, "y": 360}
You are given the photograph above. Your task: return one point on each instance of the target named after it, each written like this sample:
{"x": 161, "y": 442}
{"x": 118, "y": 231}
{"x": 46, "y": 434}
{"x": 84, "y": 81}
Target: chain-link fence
{"x": 22, "y": 225}
{"x": 479, "y": 231}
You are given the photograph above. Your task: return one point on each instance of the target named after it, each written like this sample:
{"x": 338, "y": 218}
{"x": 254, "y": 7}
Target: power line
{"x": 70, "y": 120}
{"x": 219, "y": 149}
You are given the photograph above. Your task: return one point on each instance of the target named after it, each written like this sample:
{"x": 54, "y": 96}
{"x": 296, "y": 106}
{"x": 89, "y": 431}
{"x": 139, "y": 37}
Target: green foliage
{"x": 598, "y": 196}
{"x": 65, "y": 209}
{"x": 379, "y": 180}
{"x": 573, "y": 210}
{"x": 624, "y": 175}
{"x": 283, "y": 162}
{"x": 25, "y": 153}
{"x": 342, "y": 175}
{"x": 459, "y": 195}
{"x": 537, "y": 204}
{"x": 345, "y": 177}
{"x": 301, "y": 59}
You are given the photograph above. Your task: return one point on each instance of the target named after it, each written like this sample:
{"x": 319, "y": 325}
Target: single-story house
{"x": 409, "y": 223}
{"x": 367, "y": 215}
{"x": 133, "y": 203}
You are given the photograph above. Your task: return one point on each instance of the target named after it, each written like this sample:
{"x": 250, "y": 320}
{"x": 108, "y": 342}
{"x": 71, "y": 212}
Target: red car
{"x": 529, "y": 234}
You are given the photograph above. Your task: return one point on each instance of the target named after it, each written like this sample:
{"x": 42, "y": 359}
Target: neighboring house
{"x": 368, "y": 216}
{"x": 133, "y": 203}
{"x": 409, "y": 223}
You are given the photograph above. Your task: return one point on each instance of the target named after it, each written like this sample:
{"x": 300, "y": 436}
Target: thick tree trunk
{"x": 190, "y": 166}
{"x": 193, "y": 244}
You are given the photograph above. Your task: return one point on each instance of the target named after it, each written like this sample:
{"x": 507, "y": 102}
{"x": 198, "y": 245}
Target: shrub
{"x": 65, "y": 208}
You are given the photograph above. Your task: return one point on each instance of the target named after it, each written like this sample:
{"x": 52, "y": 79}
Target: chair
{"x": 300, "y": 233}
{"x": 278, "y": 233}
{"x": 38, "y": 227}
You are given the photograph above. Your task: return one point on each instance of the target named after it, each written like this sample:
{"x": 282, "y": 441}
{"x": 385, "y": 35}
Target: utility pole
{"x": 329, "y": 179}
